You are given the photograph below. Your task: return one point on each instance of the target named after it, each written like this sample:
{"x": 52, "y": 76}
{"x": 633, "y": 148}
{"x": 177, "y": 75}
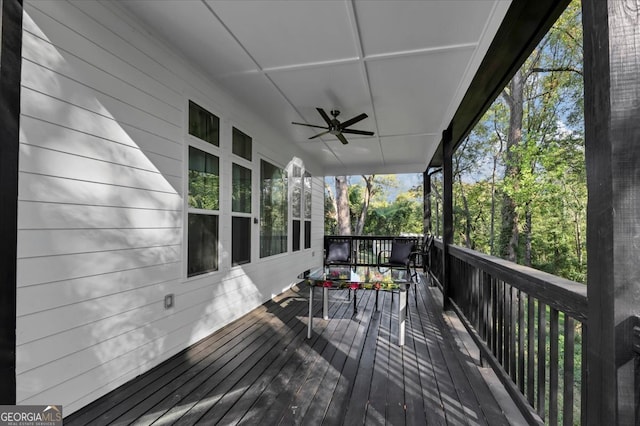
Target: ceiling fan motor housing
{"x": 335, "y": 128}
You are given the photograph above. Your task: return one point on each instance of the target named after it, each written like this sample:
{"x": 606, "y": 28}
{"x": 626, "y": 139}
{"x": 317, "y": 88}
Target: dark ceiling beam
{"x": 525, "y": 24}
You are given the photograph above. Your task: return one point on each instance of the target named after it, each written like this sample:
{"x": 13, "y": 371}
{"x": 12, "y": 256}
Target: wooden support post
{"x": 426, "y": 219}
{"x": 447, "y": 213}
{"x": 612, "y": 139}
{"x": 426, "y": 191}
{"x": 10, "y": 69}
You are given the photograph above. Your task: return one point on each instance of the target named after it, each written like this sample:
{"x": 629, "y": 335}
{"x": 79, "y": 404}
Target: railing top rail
{"x": 562, "y": 294}
{"x": 374, "y": 237}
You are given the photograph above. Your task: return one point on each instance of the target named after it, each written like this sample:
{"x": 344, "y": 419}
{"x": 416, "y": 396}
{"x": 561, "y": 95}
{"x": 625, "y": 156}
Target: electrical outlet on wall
{"x": 168, "y": 301}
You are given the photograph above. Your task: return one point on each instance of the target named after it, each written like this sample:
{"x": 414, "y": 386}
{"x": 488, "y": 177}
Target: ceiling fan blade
{"x": 325, "y": 117}
{"x": 353, "y": 120}
{"x": 309, "y": 125}
{"x": 319, "y": 134}
{"x": 358, "y": 132}
{"x": 342, "y": 138}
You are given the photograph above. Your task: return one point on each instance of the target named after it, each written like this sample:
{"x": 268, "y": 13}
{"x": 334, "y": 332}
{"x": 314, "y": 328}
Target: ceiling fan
{"x": 337, "y": 128}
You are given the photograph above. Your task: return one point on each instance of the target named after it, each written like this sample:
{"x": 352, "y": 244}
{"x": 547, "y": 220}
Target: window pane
{"x": 241, "y": 144}
{"x": 203, "y": 124}
{"x": 307, "y": 234}
{"x": 203, "y": 180}
{"x": 203, "y": 244}
{"x": 296, "y": 235}
{"x": 241, "y": 240}
{"x": 273, "y": 209}
{"x": 307, "y": 196}
{"x": 296, "y": 191}
{"x": 241, "y": 190}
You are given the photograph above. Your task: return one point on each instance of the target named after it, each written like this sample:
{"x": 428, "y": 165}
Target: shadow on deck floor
{"x": 261, "y": 370}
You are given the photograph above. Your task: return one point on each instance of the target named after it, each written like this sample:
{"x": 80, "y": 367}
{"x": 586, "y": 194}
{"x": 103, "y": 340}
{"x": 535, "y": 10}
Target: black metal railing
{"x": 530, "y": 327}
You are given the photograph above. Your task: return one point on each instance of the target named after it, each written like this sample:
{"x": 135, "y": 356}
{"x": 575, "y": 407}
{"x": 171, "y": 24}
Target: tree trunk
{"x": 578, "y": 236}
{"x": 467, "y": 215}
{"x": 527, "y": 236}
{"x": 509, "y": 232}
{"x": 492, "y": 248}
{"x": 368, "y": 180}
{"x": 437, "y": 198}
{"x": 342, "y": 206}
{"x": 333, "y": 212}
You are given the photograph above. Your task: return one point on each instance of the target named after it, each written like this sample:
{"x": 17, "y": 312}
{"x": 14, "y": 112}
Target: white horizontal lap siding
{"x": 101, "y": 211}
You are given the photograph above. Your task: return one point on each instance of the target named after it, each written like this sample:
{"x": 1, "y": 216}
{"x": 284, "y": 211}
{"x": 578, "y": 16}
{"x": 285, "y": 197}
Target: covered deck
{"x": 261, "y": 369}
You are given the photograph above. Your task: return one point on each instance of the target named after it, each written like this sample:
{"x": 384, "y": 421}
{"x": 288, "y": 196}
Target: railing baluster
{"x": 513, "y": 349}
{"x": 531, "y": 350}
{"x": 507, "y": 328}
{"x": 569, "y": 353}
{"x": 553, "y": 367}
{"x": 521, "y": 378}
{"x": 515, "y": 313}
{"x": 496, "y": 317}
{"x": 542, "y": 351}
{"x": 474, "y": 298}
{"x": 583, "y": 381}
{"x": 499, "y": 328}
{"x": 480, "y": 301}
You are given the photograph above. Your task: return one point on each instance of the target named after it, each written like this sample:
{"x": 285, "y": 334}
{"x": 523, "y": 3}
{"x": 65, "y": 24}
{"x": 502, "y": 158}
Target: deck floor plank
{"x": 340, "y": 397}
{"x": 284, "y": 356}
{"x": 187, "y": 390}
{"x": 318, "y": 407}
{"x": 427, "y": 381}
{"x": 376, "y": 407}
{"x": 307, "y": 390}
{"x": 107, "y": 409}
{"x": 261, "y": 370}
{"x": 233, "y": 416}
{"x": 285, "y": 391}
{"x": 235, "y": 365}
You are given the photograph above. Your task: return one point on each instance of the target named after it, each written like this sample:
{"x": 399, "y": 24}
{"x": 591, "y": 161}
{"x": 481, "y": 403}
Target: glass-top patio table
{"x": 359, "y": 278}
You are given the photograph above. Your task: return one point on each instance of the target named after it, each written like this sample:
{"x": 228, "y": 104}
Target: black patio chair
{"x": 424, "y": 254}
{"x": 339, "y": 253}
{"x": 399, "y": 258}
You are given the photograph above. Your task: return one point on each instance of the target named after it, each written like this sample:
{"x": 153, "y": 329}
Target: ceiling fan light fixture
{"x": 335, "y": 128}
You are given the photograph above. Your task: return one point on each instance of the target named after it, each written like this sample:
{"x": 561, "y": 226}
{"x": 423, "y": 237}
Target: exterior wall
{"x": 101, "y": 235}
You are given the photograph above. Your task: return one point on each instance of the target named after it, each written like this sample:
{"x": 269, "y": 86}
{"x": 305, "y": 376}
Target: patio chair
{"x": 339, "y": 253}
{"x": 400, "y": 258}
{"x": 424, "y": 254}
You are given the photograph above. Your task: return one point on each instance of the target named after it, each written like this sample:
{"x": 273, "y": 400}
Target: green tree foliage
{"x": 381, "y": 217}
{"x": 519, "y": 178}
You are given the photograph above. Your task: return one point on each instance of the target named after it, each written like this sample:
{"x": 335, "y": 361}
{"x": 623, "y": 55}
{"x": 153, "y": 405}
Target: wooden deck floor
{"x": 262, "y": 370}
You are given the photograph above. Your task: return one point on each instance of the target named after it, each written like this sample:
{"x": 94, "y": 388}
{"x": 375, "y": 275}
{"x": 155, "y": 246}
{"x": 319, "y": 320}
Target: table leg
{"x": 325, "y": 303}
{"x": 402, "y": 311}
{"x": 310, "y": 323}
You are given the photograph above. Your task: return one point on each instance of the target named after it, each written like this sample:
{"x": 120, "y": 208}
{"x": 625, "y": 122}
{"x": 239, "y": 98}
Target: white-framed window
{"x": 203, "y": 200}
{"x": 296, "y": 206}
{"x": 300, "y": 199}
{"x": 241, "y": 184}
{"x": 273, "y": 209}
{"x": 307, "y": 209}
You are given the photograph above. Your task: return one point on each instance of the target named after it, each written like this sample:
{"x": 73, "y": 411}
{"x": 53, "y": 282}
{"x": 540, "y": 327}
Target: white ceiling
{"x": 407, "y": 64}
